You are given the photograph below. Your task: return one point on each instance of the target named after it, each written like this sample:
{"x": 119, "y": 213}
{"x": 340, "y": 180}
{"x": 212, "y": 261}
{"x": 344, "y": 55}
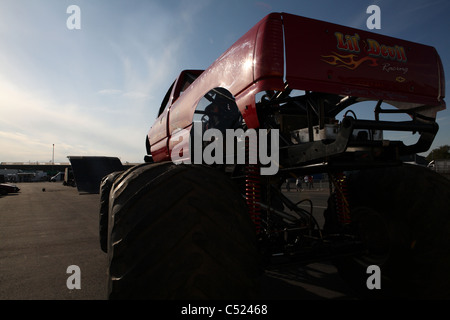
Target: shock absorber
{"x": 341, "y": 198}
{"x": 253, "y": 188}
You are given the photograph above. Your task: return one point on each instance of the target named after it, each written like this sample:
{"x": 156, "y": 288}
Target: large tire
{"x": 105, "y": 188}
{"x": 180, "y": 232}
{"x": 403, "y": 217}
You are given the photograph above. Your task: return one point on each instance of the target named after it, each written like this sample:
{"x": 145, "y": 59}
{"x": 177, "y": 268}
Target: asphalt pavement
{"x": 44, "y": 229}
{"x": 48, "y": 228}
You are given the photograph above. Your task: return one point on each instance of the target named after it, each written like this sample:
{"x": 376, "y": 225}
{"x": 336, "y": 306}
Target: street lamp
{"x": 53, "y": 159}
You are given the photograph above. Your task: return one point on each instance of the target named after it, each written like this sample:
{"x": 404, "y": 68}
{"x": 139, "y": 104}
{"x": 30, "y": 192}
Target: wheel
{"x": 402, "y": 217}
{"x": 105, "y": 188}
{"x": 180, "y": 232}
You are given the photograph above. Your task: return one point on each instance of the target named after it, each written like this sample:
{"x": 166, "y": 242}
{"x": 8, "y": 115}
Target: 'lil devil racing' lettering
{"x": 351, "y": 43}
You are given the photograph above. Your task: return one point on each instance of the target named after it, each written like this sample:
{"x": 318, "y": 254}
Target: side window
{"x": 165, "y": 101}
{"x": 187, "y": 81}
{"x": 218, "y": 109}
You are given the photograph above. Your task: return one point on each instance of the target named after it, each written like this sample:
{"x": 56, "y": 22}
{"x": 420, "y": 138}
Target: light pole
{"x": 53, "y": 159}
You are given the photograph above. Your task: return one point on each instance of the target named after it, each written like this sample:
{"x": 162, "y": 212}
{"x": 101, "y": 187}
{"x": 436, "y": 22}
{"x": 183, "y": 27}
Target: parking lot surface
{"x": 48, "y": 227}
{"x": 44, "y": 229}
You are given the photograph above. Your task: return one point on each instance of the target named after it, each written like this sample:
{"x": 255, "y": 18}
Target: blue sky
{"x": 96, "y": 91}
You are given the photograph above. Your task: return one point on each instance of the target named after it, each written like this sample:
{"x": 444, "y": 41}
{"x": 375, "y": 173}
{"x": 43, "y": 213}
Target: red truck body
{"x": 305, "y": 54}
{"x": 208, "y": 227}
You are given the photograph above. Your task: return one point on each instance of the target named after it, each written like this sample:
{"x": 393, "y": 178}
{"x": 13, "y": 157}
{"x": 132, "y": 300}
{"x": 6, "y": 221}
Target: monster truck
{"x": 195, "y": 228}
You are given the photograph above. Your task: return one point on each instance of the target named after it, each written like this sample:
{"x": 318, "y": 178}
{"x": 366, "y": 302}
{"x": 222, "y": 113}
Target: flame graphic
{"x": 348, "y": 61}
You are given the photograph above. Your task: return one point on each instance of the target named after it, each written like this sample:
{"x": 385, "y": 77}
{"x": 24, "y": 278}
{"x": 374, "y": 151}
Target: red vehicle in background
{"x": 208, "y": 231}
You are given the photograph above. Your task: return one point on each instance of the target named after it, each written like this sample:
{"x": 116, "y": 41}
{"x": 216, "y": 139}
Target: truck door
{"x": 157, "y": 135}
{"x": 160, "y": 132}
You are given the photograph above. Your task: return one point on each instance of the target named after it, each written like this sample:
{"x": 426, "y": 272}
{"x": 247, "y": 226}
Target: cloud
{"x": 110, "y": 92}
{"x": 134, "y": 95}
{"x": 91, "y": 92}
{"x": 31, "y": 123}
{"x": 263, "y": 5}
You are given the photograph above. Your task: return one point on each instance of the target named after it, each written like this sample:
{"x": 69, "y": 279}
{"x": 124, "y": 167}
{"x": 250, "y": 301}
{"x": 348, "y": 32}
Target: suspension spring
{"x": 341, "y": 198}
{"x": 253, "y": 194}
{"x": 253, "y": 189}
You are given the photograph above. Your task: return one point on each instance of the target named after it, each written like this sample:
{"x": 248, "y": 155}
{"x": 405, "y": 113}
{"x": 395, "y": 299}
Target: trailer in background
{"x": 87, "y": 171}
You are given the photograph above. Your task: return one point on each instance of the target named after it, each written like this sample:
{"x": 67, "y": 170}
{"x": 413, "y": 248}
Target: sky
{"x": 96, "y": 90}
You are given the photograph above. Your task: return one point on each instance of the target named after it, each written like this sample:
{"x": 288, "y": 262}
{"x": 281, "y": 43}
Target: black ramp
{"x": 89, "y": 171}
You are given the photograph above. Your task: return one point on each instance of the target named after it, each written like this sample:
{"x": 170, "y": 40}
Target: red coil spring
{"x": 342, "y": 205}
{"x": 253, "y": 188}
{"x": 253, "y": 194}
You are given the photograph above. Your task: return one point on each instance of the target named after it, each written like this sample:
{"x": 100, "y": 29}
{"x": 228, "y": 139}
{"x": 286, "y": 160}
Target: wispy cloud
{"x": 133, "y": 95}
{"x": 263, "y": 5}
{"x": 110, "y": 92}
{"x": 30, "y": 123}
{"x": 90, "y": 92}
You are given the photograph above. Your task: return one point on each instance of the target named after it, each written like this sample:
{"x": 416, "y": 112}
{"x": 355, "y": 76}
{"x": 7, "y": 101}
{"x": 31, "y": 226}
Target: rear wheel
{"x": 402, "y": 217}
{"x": 180, "y": 232}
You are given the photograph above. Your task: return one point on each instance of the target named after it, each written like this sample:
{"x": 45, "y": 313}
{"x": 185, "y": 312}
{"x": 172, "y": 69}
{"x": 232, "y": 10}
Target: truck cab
{"x": 158, "y": 145}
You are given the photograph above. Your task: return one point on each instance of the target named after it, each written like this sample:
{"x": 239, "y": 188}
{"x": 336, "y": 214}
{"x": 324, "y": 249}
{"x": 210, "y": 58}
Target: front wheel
{"x": 105, "y": 188}
{"x": 180, "y": 232}
{"x": 402, "y": 217}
